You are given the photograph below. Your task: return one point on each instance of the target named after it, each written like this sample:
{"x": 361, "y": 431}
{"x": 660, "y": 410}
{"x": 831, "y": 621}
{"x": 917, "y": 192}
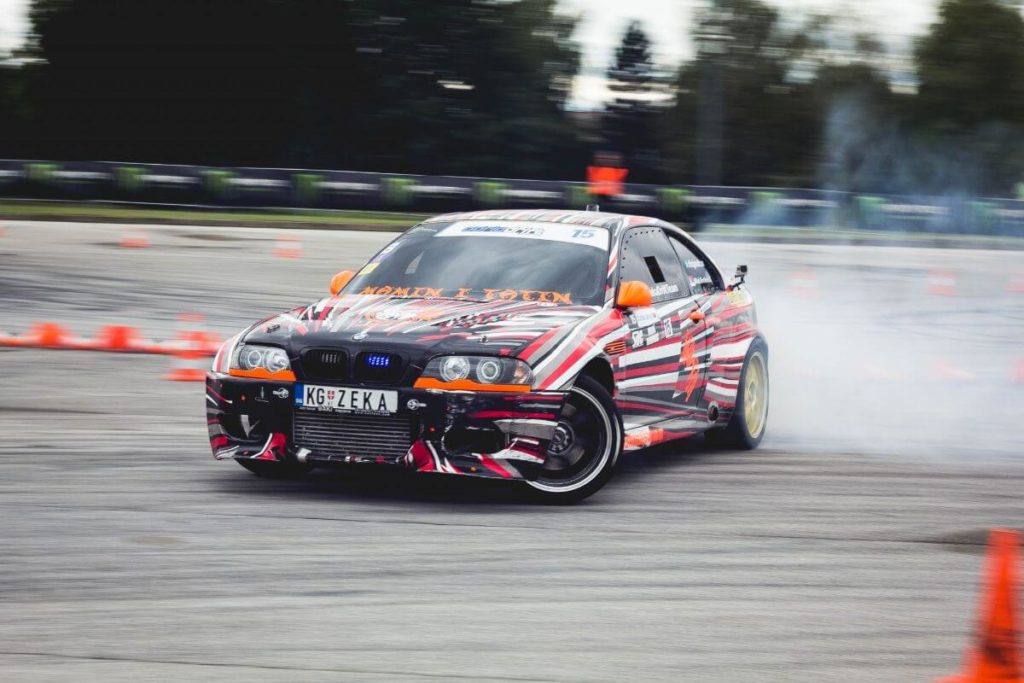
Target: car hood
{"x": 420, "y": 327}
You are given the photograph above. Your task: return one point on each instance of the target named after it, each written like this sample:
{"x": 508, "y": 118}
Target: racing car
{"x": 521, "y": 345}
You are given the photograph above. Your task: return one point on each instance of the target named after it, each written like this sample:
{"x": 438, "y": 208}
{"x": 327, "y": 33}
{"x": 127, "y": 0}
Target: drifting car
{"x": 523, "y": 345}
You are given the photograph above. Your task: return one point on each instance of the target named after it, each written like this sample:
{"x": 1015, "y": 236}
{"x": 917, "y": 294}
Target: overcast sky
{"x": 667, "y": 21}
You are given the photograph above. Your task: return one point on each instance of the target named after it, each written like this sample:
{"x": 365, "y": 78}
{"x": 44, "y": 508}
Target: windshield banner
{"x": 571, "y": 234}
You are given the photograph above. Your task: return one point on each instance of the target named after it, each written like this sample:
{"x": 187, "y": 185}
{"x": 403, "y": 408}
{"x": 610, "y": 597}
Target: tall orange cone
{"x": 994, "y": 656}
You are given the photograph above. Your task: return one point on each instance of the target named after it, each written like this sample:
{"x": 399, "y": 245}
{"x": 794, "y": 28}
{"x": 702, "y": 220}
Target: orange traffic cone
{"x": 941, "y": 283}
{"x": 190, "y": 362}
{"x": 288, "y": 246}
{"x": 945, "y": 370}
{"x": 135, "y": 238}
{"x": 994, "y": 656}
{"x": 118, "y": 338}
{"x": 48, "y": 334}
{"x": 804, "y": 284}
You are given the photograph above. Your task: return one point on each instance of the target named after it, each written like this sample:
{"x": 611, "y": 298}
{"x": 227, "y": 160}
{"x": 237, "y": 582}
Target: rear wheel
{"x": 272, "y": 469}
{"x": 586, "y": 445}
{"x": 750, "y": 418}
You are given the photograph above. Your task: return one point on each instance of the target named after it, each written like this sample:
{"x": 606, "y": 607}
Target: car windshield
{"x": 492, "y": 260}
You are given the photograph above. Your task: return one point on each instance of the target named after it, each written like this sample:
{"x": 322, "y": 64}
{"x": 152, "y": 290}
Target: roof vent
{"x": 593, "y": 207}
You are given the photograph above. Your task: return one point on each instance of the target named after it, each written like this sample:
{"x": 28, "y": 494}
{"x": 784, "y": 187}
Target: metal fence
{"x": 698, "y": 206}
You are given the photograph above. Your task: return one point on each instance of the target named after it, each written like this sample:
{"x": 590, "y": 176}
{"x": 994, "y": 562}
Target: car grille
{"x": 365, "y": 369}
{"x": 366, "y": 436}
{"x": 324, "y": 364}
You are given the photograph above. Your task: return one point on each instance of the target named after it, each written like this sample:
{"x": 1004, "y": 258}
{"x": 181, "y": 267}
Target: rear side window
{"x": 698, "y": 277}
{"x": 647, "y": 256}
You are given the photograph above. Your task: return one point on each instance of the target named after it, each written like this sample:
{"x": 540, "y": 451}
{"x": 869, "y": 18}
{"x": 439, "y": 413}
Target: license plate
{"x": 346, "y": 400}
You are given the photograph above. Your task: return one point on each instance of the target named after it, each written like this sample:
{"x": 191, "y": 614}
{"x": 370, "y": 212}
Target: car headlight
{"x": 269, "y": 362}
{"x": 480, "y": 373}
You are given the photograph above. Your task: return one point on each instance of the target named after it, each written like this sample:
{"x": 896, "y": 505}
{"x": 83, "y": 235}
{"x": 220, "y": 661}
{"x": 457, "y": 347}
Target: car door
{"x": 647, "y": 373}
{"x": 696, "y": 331}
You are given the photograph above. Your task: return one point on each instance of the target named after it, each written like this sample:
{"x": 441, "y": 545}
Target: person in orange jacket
{"x": 606, "y": 175}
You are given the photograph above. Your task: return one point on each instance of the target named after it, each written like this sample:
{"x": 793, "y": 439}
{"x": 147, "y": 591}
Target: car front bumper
{"x": 487, "y": 434}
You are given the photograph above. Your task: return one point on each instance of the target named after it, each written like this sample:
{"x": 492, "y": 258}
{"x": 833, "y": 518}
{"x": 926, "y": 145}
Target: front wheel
{"x": 584, "y": 449}
{"x": 750, "y": 417}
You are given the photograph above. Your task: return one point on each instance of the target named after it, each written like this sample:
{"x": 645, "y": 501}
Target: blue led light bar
{"x": 377, "y": 360}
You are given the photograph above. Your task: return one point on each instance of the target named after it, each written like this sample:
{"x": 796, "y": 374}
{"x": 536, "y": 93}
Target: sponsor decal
{"x": 368, "y": 268}
{"x": 281, "y": 392}
{"x": 508, "y": 230}
{"x": 129, "y": 178}
{"x": 466, "y": 293}
{"x": 664, "y": 289}
{"x": 554, "y": 232}
{"x": 699, "y": 281}
{"x": 396, "y": 191}
{"x": 642, "y": 317}
{"x": 644, "y": 337}
{"x": 307, "y": 186}
{"x": 673, "y": 199}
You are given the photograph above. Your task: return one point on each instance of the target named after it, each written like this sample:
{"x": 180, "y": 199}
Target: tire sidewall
{"x": 592, "y": 391}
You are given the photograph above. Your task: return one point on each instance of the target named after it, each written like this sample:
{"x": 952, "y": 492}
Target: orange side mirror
{"x": 339, "y": 281}
{"x": 634, "y": 294}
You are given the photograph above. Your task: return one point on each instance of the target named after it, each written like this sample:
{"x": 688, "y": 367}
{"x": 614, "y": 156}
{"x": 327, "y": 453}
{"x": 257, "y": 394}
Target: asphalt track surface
{"x": 846, "y": 549}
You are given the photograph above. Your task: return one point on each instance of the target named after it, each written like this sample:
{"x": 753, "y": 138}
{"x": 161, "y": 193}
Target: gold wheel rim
{"x": 755, "y": 396}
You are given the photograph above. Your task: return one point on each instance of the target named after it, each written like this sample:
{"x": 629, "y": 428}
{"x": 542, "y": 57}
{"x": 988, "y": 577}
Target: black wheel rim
{"x": 578, "y": 445}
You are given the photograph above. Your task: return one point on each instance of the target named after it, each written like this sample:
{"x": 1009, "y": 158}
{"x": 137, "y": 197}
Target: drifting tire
{"x": 750, "y": 418}
{"x": 582, "y": 456}
{"x": 272, "y": 469}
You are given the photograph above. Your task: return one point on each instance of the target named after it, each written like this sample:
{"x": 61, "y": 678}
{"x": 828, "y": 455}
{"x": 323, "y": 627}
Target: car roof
{"x": 600, "y": 219}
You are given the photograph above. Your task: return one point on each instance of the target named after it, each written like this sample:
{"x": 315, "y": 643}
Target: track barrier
{"x": 135, "y": 238}
{"x": 994, "y": 653}
{"x": 288, "y": 246}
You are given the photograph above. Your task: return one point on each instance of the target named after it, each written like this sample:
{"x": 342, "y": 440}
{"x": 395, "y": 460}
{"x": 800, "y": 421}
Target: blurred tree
{"x": 971, "y": 98}
{"x": 233, "y": 81}
{"x": 467, "y": 86}
{"x": 764, "y": 114}
{"x": 629, "y": 121}
{"x": 14, "y": 111}
{"x": 971, "y": 66}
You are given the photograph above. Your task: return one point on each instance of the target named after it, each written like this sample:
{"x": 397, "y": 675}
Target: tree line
{"x": 482, "y": 87}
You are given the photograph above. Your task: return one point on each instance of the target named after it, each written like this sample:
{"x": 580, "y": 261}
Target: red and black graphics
{"x": 673, "y": 368}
